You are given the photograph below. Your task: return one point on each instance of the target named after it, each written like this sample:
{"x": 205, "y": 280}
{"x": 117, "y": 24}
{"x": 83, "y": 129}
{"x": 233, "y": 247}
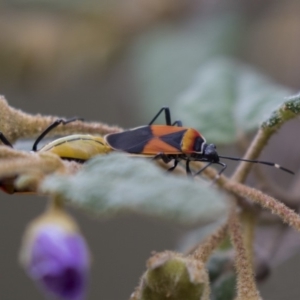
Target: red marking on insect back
{"x": 161, "y": 130}
{"x": 156, "y": 145}
{"x": 189, "y": 139}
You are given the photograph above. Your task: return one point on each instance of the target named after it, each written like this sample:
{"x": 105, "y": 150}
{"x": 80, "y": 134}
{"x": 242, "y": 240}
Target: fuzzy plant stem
{"x": 266, "y": 201}
{"x": 56, "y": 203}
{"x": 242, "y": 238}
{"x": 207, "y": 247}
{"x": 248, "y": 220}
{"x": 287, "y": 111}
{"x": 252, "y": 153}
{"x": 15, "y": 124}
{"x": 246, "y": 287}
{"x": 23, "y": 161}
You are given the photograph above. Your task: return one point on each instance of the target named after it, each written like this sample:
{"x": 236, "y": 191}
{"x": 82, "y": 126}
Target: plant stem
{"x": 16, "y": 124}
{"x": 252, "y": 153}
{"x": 278, "y": 208}
{"x": 246, "y": 287}
{"x": 206, "y": 248}
{"x": 248, "y": 219}
{"x": 266, "y": 201}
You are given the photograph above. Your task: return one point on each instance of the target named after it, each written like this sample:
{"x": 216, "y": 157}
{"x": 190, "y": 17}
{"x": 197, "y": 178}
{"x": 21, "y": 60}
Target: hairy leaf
{"x": 118, "y": 183}
{"x": 166, "y": 58}
{"x": 227, "y": 98}
{"x": 289, "y": 109}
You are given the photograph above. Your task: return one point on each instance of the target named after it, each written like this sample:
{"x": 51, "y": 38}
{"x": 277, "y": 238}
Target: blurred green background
{"x": 118, "y": 62}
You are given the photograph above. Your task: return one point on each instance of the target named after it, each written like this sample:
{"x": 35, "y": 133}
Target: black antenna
{"x": 259, "y": 162}
{"x": 52, "y": 126}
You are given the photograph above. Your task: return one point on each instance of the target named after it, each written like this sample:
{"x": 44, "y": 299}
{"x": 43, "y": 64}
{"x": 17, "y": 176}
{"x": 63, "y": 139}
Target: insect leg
{"x": 165, "y": 158}
{"x": 167, "y": 115}
{"x": 4, "y": 140}
{"x": 51, "y": 127}
{"x": 220, "y": 172}
{"x": 178, "y": 123}
{"x": 187, "y": 167}
{"x": 203, "y": 168}
{"x": 176, "y": 161}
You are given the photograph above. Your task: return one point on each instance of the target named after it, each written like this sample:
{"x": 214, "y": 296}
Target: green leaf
{"x": 227, "y": 98}
{"x": 166, "y": 58}
{"x": 116, "y": 183}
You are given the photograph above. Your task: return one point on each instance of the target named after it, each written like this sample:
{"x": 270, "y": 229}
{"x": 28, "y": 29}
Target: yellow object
{"x": 79, "y": 147}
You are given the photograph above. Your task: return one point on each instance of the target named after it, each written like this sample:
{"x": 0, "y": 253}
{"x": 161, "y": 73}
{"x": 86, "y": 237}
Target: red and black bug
{"x": 172, "y": 142}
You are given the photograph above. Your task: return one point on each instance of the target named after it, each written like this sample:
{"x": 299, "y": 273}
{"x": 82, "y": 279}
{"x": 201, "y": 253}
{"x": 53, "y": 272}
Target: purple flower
{"x": 58, "y": 260}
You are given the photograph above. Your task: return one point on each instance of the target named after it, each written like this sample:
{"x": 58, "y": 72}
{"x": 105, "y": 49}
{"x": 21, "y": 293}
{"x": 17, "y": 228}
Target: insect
{"x": 172, "y": 142}
{"x": 77, "y": 147}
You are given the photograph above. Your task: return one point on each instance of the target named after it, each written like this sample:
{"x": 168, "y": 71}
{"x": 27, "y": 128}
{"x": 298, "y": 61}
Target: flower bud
{"x": 173, "y": 276}
{"x": 55, "y": 256}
